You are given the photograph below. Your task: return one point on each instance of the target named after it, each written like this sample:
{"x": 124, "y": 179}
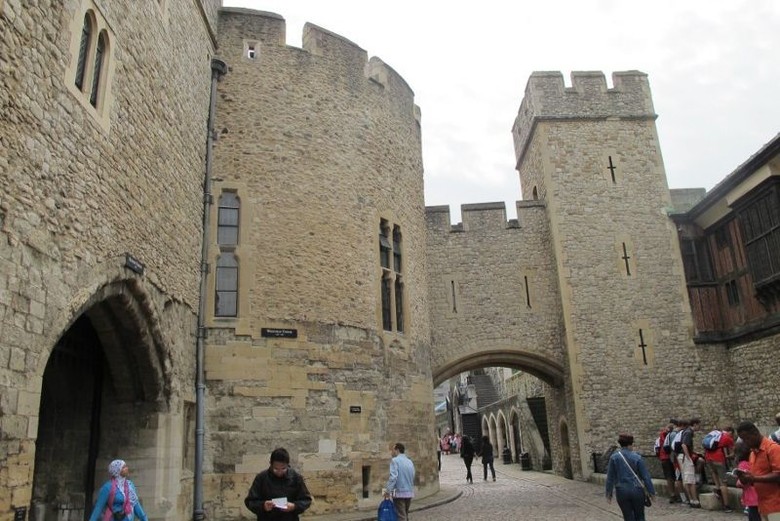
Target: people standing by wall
{"x": 717, "y": 462}
{"x": 627, "y": 475}
{"x": 665, "y": 457}
{"x": 685, "y": 458}
{"x": 400, "y": 484}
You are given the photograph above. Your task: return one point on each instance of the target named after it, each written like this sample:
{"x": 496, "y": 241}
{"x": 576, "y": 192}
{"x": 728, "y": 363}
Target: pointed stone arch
{"x": 110, "y": 348}
{"x": 502, "y": 431}
{"x": 128, "y": 327}
{"x": 515, "y": 434}
{"x": 118, "y": 301}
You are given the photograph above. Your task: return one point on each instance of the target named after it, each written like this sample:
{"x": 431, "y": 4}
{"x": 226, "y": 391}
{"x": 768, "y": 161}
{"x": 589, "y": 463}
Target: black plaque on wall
{"x": 270, "y": 332}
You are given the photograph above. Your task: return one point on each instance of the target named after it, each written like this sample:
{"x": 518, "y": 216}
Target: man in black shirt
{"x": 278, "y": 493}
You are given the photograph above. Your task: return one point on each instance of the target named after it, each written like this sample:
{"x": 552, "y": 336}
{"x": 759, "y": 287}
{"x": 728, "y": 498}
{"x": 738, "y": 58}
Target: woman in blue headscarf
{"x": 118, "y": 499}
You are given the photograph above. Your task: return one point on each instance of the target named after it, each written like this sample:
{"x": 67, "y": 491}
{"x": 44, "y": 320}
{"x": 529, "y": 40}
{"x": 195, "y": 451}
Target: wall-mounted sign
{"x": 354, "y": 409}
{"x": 270, "y": 332}
{"x": 133, "y": 264}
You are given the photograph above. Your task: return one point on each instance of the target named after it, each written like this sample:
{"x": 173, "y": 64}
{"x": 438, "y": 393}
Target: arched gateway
{"x": 105, "y": 393}
{"x": 334, "y": 298}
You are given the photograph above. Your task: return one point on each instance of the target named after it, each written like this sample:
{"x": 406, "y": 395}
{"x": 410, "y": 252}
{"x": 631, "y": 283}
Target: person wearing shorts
{"x": 685, "y": 460}
{"x": 666, "y": 463}
{"x": 716, "y": 465}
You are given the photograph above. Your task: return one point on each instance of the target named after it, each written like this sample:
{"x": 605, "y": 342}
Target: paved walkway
{"x": 519, "y": 495}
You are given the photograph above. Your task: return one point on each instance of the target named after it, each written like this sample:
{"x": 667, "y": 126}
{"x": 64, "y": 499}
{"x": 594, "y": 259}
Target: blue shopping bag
{"x": 386, "y": 511}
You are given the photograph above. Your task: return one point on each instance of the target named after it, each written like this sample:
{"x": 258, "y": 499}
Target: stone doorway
{"x": 103, "y": 392}
{"x": 69, "y": 424}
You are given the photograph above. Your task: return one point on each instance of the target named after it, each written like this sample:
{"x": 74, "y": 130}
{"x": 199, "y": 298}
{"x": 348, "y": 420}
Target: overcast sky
{"x": 713, "y": 66}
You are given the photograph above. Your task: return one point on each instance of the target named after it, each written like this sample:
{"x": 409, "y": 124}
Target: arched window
{"x": 100, "y": 52}
{"x": 228, "y": 219}
{"x": 392, "y": 286}
{"x": 226, "y": 297}
{"x": 86, "y": 42}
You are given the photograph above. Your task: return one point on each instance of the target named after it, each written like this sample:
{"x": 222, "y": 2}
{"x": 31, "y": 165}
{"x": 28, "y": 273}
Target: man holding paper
{"x": 279, "y": 492}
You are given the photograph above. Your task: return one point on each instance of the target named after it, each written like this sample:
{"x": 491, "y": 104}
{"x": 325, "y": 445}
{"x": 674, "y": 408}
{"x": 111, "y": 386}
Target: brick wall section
{"x": 319, "y": 143}
{"x": 76, "y": 196}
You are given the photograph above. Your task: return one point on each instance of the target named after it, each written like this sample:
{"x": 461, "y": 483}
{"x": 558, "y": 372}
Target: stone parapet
{"x": 547, "y": 97}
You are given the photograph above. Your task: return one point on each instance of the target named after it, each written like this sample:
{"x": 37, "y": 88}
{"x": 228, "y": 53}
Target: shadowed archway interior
{"x": 101, "y": 374}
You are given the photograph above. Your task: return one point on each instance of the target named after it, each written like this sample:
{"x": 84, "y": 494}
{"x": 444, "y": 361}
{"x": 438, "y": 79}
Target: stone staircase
{"x": 485, "y": 391}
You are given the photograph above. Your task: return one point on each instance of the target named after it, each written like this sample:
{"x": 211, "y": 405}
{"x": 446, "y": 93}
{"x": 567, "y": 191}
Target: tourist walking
{"x": 486, "y": 453}
{"x": 400, "y": 485}
{"x": 628, "y": 477}
{"x": 467, "y": 453}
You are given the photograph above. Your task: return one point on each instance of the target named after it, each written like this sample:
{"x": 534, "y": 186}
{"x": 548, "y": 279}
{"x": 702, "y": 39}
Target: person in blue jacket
{"x": 118, "y": 499}
{"x": 628, "y": 476}
{"x": 400, "y": 484}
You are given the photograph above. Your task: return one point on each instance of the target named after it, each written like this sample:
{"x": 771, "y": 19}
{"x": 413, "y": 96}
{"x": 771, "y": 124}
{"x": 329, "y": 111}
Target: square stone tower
{"x": 592, "y": 153}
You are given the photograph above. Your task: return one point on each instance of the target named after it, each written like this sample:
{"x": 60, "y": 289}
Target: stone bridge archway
{"x": 542, "y": 445}
{"x": 546, "y": 369}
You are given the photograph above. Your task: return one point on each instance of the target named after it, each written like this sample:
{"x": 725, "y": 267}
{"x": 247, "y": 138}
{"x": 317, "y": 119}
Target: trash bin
{"x": 525, "y": 461}
{"x": 506, "y": 454}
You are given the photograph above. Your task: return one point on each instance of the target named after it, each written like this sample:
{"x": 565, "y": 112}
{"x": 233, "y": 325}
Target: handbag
{"x": 648, "y": 501}
{"x": 386, "y": 511}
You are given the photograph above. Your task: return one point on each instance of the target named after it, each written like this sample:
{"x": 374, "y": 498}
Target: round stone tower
{"x": 319, "y": 339}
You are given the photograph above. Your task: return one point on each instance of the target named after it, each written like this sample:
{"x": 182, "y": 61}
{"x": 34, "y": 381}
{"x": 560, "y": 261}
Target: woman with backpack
{"x": 627, "y": 475}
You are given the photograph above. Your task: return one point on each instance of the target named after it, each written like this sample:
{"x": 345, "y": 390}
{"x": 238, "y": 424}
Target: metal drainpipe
{"x": 218, "y": 69}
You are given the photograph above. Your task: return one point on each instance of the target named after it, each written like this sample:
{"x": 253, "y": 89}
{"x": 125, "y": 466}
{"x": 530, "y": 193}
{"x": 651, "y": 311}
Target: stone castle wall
{"x": 492, "y": 284}
{"x": 617, "y": 257}
{"x": 319, "y": 144}
{"x": 82, "y": 185}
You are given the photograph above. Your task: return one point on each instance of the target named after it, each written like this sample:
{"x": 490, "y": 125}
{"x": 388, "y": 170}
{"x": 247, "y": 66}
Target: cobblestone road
{"x": 518, "y": 495}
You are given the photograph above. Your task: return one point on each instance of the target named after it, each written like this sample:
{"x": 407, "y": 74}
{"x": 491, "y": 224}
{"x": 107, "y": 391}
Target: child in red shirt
{"x": 749, "y": 495}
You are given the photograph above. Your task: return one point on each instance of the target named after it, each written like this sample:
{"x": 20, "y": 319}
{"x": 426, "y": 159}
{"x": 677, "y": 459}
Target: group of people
{"x": 684, "y": 463}
{"x": 485, "y": 453}
{"x": 752, "y": 458}
{"x": 279, "y": 493}
{"x": 450, "y": 443}
{"x": 461, "y": 443}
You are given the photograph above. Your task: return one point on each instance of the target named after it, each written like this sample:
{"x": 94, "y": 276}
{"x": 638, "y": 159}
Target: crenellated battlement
{"x": 547, "y": 97}
{"x": 480, "y": 217}
{"x": 270, "y": 30}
